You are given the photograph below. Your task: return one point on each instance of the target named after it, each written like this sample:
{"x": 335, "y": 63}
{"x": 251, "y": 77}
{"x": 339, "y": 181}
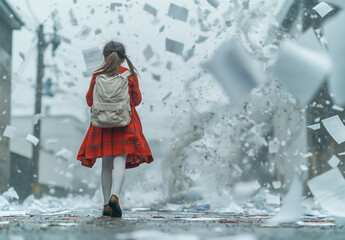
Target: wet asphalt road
{"x": 162, "y": 225}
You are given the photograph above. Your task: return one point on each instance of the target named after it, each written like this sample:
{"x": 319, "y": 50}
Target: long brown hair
{"x": 114, "y": 53}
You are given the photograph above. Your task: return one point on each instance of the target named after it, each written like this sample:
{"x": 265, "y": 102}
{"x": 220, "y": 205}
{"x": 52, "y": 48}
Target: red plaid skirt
{"x": 100, "y": 142}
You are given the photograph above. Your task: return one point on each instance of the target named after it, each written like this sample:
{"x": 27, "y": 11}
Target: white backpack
{"x": 111, "y": 101}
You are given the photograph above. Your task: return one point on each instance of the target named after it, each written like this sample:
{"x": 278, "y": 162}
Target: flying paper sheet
{"x": 334, "y": 161}
{"x": 272, "y": 199}
{"x": 173, "y": 46}
{"x": 301, "y": 70}
{"x": 273, "y": 146}
{"x": 148, "y": 52}
{"x": 276, "y": 184}
{"x": 329, "y": 190}
{"x": 151, "y": 10}
{"x": 314, "y": 126}
{"x": 335, "y": 128}
{"x": 337, "y": 108}
{"x": 32, "y": 139}
{"x": 64, "y": 153}
{"x": 115, "y": 4}
{"x": 334, "y": 32}
{"x": 177, "y": 12}
{"x": 10, "y": 131}
{"x": 214, "y": 3}
{"x": 323, "y": 9}
{"x": 93, "y": 58}
{"x": 234, "y": 69}
{"x": 292, "y": 206}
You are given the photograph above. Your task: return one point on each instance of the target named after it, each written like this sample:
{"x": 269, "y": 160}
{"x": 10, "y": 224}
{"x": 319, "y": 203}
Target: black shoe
{"x": 115, "y": 206}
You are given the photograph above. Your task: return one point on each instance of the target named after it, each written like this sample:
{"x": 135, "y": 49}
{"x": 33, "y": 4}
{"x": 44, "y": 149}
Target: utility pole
{"x": 41, "y": 46}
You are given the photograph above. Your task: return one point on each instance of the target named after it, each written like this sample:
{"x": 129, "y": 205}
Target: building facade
{"x": 9, "y": 21}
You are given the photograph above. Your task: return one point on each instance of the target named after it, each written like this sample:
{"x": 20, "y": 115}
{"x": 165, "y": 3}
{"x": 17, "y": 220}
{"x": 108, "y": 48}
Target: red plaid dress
{"x": 100, "y": 142}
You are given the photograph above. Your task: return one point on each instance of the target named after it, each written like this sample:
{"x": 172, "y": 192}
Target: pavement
{"x": 148, "y": 224}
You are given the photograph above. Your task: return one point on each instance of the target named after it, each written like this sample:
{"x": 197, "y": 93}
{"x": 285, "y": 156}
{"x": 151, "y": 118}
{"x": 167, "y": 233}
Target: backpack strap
{"x": 127, "y": 73}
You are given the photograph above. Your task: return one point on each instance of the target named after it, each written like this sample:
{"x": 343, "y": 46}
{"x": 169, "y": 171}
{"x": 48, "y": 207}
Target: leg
{"x": 118, "y": 173}
{"x": 106, "y": 176}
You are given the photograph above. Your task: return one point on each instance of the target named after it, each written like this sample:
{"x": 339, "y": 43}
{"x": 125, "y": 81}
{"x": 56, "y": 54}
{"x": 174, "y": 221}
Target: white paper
{"x": 334, "y": 161}
{"x": 276, "y": 184}
{"x": 177, "y": 12}
{"x": 148, "y": 52}
{"x": 10, "y": 194}
{"x": 314, "y": 126}
{"x": 323, "y": 9}
{"x": 64, "y": 153}
{"x": 151, "y": 10}
{"x": 335, "y": 128}
{"x": 214, "y": 3}
{"x": 273, "y": 146}
{"x": 292, "y": 206}
{"x": 12, "y": 213}
{"x": 10, "y": 131}
{"x": 337, "y": 108}
{"x": 174, "y": 46}
{"x": 329, "y": 190}
{"x": 235, "y": 70}
{"x": 272, "y": 199}
{"x": 32, "y": 139}
{"x": 301, "y": 70}
{"x": 303, "y": 168}
{"x": 93, "y": 58}
{"x": 244, "y": 190}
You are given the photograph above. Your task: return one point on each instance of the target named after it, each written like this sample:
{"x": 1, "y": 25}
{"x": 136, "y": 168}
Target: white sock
{"x": 118, "y": 173}
{"x": 106, "y": 176}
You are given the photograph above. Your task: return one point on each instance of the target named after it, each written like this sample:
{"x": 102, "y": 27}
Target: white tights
{"x": 112, "y": 180}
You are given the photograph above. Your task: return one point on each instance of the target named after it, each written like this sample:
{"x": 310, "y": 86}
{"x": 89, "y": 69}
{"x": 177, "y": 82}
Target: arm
{"x": 135, "y": 92}
{"x": 89, "y": 94}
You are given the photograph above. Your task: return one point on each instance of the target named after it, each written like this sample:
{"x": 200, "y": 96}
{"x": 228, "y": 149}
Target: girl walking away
{"x": 115, "y": 133}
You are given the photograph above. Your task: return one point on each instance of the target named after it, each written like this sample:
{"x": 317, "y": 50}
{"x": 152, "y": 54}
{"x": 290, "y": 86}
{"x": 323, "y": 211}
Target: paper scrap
{"x": 323, "y": 9}
{"x": 64, "y": 153}
{"x": 115, "y": 4}
{"x": 151, "y": 10}
{"x": 334, "y": 161}
{"x": 301, "y": 70}
{"x": 32, "y": 139}
{"x": 337, "y": 108}
{"x": 329, "y": 190}
{"x": 314, "y": 126}
{"x": 214, "y": 3}
{"x": 273, "y": 146}
{"x": 10, "y": 131}
{"x": 177, "y": 12}
{"x": 335, "y": 128}
{"x": 276, "y": 184}
{"x": 174, "y": 46}
{"x": 148, "y": 52}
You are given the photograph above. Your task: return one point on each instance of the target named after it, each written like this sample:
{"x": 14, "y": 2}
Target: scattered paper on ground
{"x": 329, "y": 190}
